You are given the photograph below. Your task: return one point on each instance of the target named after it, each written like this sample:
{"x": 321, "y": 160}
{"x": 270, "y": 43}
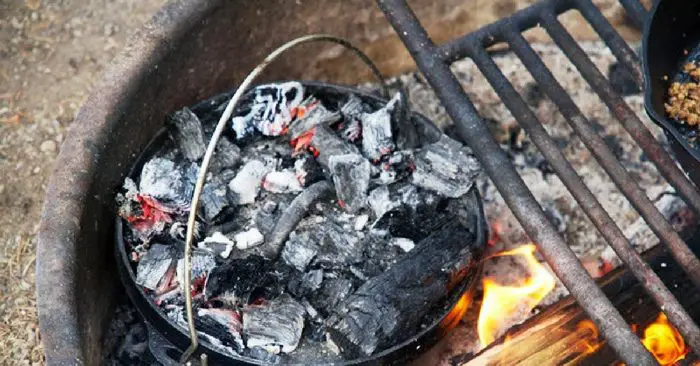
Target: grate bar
{"x": 612, "y": 39}
{"x": 595, "y": 211}
{"x": 491, "y": 34}
{"x": 636, "y": 11}
{"x": 685, "y": 257}
{"x": 475, "y": 133}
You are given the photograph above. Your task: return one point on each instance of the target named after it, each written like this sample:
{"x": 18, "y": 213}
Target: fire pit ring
{"x": 167, "y": 340}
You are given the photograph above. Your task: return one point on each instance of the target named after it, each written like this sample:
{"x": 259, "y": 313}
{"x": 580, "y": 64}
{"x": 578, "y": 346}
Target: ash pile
{"x": 330, "y": 226}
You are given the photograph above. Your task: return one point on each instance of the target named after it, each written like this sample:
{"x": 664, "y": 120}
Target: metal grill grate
{"x": 434, "y": 61}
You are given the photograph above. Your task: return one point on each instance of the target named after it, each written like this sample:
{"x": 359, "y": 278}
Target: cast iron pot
{"x": 167, "y": 340}
{"x": 671, "y": 38}
{"x": 190, "y": 50}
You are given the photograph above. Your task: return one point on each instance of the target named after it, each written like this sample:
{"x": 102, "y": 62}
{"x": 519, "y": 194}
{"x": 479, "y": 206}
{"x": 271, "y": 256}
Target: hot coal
{"x": 308, "y": 171}
{"x": 351, "y": 174}
{"x": 395, "y": 301}
{"x": 327, "y": 143}
{"x": 236, "y": 279}
{"x": 227, "y": 155}
{"x": 222, "y": 324}
{"x": 275, "y": 326}
{"x": 315, "y": 114}
{"x": 377, "y": 139}
{"x": 213, "y": 200}
{"x": 271, "y": 111}
{"x": 162, "y": 180}
{"x": 352, "y": 111}
{"x": 445, "y": 167}
{"x": 293, "y": 230}
{"x": 187, "y": 133}
{"x": 153, "y": 265}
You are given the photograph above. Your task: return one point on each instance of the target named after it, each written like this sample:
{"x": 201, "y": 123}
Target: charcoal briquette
{"x": 236, "y": 278}
{"x": 213, "y": 200}
{"x": 167, "y": 182}
{"x": 278, "y": 322}
{"x": 299, "y": 251}
{"x": 351, "y": 173}
{"x": 153, "y": 265}
{"x": 377, "y": 139}
{"x": 187, "y": 133}
{"x": 446, "y": 167}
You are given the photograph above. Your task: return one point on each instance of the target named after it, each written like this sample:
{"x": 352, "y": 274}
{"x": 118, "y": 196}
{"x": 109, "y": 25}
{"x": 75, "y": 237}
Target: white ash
{"x": 404, "y": 243}
{"x": 218, "y": 243}
{"x": 361, "y": 222}
{"x": 246, "y": 184}
{"x": 281, "y": 182}
{"x": 248, "y": 239}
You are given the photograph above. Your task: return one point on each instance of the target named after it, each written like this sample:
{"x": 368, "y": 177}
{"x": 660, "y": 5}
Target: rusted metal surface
{"x": 585, "y": 198}
{"x": 475, "y": 133}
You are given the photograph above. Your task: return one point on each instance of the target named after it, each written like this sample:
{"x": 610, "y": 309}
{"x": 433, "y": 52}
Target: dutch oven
{"x": 189, "y": 51}
{"x": 671, "y": 38}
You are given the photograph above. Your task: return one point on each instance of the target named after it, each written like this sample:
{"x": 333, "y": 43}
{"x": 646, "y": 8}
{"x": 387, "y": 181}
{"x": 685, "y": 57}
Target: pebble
{"x": 48, "y": 146}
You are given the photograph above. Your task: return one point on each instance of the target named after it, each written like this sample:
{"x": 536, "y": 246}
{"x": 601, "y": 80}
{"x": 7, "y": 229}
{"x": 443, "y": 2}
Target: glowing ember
{"x": 663, "y": 340}
{"x": 504, "y": 302}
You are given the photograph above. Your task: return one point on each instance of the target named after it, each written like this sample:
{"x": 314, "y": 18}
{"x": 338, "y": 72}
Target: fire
{"x": 663, "y": 340}
{"x": 590, "y": 344}
{"x": 660, "y": 338}
{"x": 455, "y": 315}
{"x": 502, "y": 302}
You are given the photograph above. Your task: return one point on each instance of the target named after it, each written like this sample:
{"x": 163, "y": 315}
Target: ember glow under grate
{"x": 434, "y": 62}
{"x": 332, "y": 227}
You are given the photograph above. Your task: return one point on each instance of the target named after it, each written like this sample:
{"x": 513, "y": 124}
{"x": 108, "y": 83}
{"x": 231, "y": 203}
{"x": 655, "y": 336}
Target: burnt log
{"x": 391, "y": 305}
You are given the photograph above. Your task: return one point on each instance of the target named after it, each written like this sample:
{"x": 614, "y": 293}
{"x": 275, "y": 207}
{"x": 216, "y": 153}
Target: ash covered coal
{"x": 327, "y": 227}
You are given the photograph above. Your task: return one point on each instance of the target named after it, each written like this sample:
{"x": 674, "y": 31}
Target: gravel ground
{"x": 50, "y": 56}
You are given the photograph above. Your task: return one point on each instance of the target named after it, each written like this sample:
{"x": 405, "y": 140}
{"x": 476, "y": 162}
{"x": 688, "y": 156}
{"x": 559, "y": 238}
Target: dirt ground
{"x": 50, "y": 55}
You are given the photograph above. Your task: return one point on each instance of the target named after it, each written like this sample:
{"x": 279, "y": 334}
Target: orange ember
{"x": 663, "y": 340}
{"x": 504, "y": 302}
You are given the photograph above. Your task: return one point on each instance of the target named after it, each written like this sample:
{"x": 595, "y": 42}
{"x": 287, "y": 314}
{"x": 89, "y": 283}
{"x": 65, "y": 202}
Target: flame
{"x": 455, "y": 315}
{"x": 505, "y": 301}
{"x": 590, "y": 344}
{"x": 663, "y": 340}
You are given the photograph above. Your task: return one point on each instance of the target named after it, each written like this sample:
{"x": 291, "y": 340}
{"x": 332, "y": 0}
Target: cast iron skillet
{"x": 167, "y": 341}
{"x": 672, "y": 29}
